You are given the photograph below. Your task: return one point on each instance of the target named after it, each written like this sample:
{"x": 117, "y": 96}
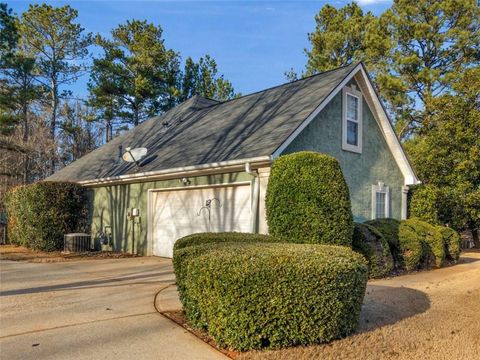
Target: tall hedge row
{"x": 308, "y": 200}
{"x": 267, "y": 295}
{"x": 40, "y": 214}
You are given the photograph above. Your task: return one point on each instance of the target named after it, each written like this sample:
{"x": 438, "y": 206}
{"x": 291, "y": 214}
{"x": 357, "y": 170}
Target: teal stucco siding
{"x": 361, "y": 171}
{"x": 110, "y": 205}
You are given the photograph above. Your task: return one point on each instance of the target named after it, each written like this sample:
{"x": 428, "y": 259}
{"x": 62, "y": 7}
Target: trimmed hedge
{"x": 452, "y": 243}
{"x": 410, "y": 243}
{"x": 369, "y": 242}
{"x": 206, "y": 238}
{"x": 189, "y": 246}
{"x": 389, "y": 229}
{"x": 40, "y": 214}
{"x": 308, "y": 200}
{"x": 431, "y": 241}
{"x": 263, "y": 295}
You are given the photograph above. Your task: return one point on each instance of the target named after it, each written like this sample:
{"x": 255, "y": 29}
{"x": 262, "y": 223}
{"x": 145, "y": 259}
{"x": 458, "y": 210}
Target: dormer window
{"x": 352, "y": 119}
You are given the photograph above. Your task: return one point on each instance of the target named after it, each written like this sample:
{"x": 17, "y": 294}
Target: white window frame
{"x": 382, "y": 189}
{"x": 352, "y": 91}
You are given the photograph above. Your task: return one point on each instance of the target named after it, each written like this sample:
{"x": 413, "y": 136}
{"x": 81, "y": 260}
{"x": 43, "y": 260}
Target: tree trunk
{"x": 53, "y": 118}
{"x": 26, "y": 165}
{"x": 108, "y": 130}
{"x": 476, "y": 238}
{"x": 136, "y": 118}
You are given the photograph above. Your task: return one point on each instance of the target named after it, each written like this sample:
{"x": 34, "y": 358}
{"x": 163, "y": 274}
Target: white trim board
{"x": 383, "y": 121}
{"x": 187, "y": 171}
{"x": 379, "y": 114}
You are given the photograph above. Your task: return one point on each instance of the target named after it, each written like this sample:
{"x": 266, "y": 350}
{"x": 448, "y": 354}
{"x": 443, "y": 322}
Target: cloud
{"x": 372, "y": 2}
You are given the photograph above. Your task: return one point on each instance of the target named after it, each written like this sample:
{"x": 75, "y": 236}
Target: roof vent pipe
{"x": 256, "y": 196}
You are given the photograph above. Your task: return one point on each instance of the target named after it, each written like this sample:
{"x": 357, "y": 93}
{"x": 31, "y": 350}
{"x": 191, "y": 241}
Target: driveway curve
{"x": 90, "y": 309}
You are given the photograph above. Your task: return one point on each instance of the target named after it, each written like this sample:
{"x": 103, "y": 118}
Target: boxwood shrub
{"x": 452, "y": 243}
{"x": 187, "y": 247}
{"x": 206, "y": 238}
{"x": 410, "y": 244}
{"x": 431, "y": 240}
{"x": 369, "y": 242}
{"x": 389, "y": 229}
{"x": 40, "y": 214}
{"x": 267, "y": 295}
{"x": 308, "y": 200}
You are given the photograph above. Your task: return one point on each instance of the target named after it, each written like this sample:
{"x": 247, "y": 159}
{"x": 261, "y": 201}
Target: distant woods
{"x": 44, "y": 125}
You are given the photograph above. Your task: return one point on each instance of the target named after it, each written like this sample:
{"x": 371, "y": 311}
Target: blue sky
{"x": 253, "y": 42}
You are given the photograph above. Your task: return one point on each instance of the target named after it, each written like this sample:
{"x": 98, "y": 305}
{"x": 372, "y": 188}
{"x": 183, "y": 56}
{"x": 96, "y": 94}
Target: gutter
{"x": 186, "y": 171}
{"x": 256, "y": 196}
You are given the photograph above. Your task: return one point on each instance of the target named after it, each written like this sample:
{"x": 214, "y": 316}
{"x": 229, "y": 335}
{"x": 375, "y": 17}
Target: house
{"x": 208, "y": 162}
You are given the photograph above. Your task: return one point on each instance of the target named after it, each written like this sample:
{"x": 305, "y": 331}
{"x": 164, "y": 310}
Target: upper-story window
{"x": 352, "y": 119}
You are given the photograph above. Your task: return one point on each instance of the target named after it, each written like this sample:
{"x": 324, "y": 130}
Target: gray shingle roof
{"x": 202, "y": 131}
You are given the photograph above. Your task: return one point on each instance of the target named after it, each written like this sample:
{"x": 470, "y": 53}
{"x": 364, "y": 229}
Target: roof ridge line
{"x": 354, "y": 64}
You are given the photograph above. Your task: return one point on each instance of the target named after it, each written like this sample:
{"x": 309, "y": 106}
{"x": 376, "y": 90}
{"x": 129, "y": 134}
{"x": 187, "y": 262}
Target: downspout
{"x": 256, "y": 196}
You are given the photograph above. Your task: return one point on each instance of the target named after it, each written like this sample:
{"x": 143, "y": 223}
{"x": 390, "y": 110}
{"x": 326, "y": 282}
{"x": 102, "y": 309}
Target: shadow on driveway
{"x": 85, "y": 284}
{"x": 386, "y": 305}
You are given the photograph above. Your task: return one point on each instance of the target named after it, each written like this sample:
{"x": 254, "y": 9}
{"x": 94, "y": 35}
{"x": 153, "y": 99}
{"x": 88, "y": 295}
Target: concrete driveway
{"x": 91, "y": 309}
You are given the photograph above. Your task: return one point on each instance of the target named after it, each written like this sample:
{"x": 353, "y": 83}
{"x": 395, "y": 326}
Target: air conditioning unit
{"x": 77, "y": 242}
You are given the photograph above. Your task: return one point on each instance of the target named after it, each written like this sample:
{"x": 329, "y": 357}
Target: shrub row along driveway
{"x": 91, "y": 309}
{"x": 428, "y": 315}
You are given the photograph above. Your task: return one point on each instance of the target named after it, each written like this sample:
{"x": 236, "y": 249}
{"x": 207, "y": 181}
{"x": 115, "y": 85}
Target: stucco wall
{"x": 361, "y": 171}
{"x": 110, "y": 204}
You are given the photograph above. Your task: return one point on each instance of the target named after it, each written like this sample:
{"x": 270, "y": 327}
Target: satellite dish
{"x": 134, "y": 155}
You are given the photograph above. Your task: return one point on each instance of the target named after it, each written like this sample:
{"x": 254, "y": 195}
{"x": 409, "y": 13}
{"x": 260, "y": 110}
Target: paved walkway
{"x": 91, "y": 309}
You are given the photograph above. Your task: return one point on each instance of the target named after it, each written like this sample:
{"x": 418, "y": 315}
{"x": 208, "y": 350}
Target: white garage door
{"x": 177, "y": 213}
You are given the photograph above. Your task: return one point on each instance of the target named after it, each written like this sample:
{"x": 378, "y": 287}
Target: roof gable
{"x": 363, "y": 80}
{"x": 202, "y": 131}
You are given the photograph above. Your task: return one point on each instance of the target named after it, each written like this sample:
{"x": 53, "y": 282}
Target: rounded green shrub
{"x": 410, "y": 243}
{"x": 188, "y": 247}
{"x": 308, "y": 200}
{"x": 452, "y": 243}
{"x": 424, "y": 202}
{"x": 431, "y": 240}
{"x": 389, "y": 229}
{"x": 206, "y": 238}
{"x": 40, "y": 214}
{"x": 369, "y": 242}
{"x": 264, "y": 295}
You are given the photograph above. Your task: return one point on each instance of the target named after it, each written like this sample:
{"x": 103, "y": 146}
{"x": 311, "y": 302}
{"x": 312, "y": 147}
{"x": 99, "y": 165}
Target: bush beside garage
{"x": 40, "y": 214}
{"x": 303, "y": 284}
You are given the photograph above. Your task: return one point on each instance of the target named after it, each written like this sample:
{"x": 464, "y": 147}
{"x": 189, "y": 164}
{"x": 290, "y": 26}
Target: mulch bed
{"x": 20, "y": 253}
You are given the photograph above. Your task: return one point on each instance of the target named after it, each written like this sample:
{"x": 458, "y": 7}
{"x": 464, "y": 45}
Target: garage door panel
{"x": 178, "y": 213}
